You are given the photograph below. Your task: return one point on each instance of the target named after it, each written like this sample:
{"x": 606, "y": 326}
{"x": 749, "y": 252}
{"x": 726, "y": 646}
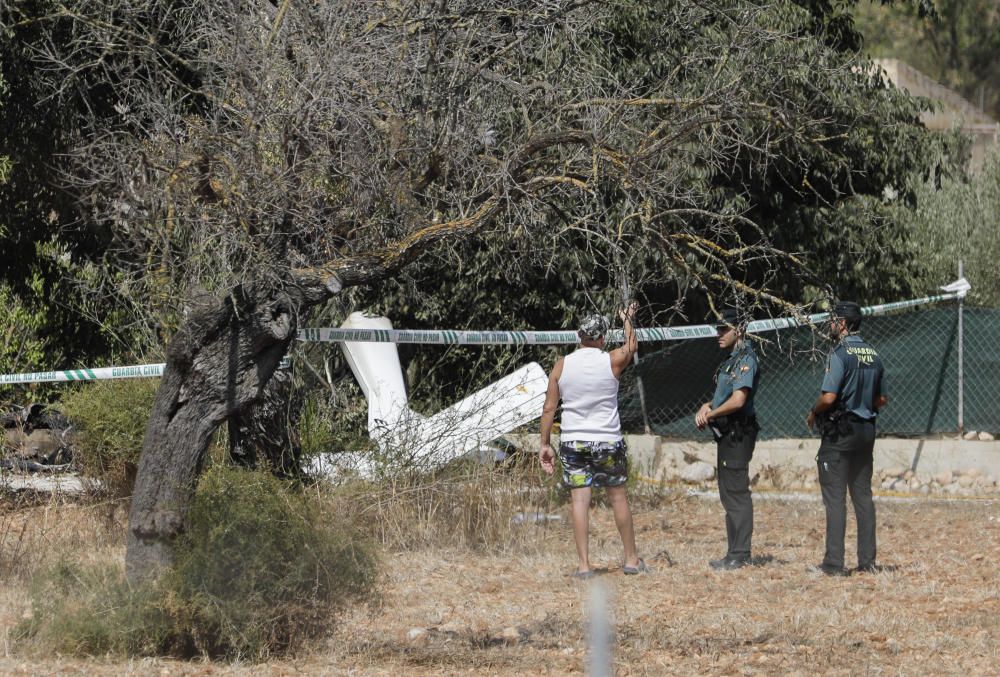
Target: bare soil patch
{"x": 936, "y": 610}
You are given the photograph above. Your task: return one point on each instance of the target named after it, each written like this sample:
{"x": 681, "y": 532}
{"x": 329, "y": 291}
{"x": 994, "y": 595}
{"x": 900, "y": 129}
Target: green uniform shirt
{"x": 741, "y": 370}
{"x": 855, "y": 373}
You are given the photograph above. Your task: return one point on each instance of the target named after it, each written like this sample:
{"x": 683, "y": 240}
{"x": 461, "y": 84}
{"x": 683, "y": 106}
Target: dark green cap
{"x": 848, "y": 310}
{"x": 732, "y": 317}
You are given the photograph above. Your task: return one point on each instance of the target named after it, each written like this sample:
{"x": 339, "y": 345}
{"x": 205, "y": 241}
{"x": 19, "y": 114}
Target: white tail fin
{"x": 377, "y": 368}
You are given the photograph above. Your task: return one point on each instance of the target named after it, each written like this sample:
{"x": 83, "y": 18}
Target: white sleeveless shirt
{"x": 589, "y": 392}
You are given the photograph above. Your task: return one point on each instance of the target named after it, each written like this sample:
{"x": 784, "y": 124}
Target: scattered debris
{"x": 36, "y": 452}
{"x": 36, "y": 439}
{"x": 534, "y": 518}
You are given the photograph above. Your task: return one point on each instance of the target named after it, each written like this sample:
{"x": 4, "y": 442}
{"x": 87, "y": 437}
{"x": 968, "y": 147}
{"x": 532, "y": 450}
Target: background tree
{"x": 959, "y": 220}
{"x": 955, "y": 42}
{"x": 252, "y": 160}
{"x": 42, "y": 234}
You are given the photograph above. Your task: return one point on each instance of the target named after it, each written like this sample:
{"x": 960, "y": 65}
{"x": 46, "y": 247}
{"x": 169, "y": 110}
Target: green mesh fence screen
{"x": 919, "y": 349}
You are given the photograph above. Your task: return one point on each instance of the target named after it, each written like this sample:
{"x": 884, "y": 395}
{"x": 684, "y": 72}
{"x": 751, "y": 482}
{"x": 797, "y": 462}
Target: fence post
{"x": 626, "y": 299}
{"x": 961, "y": 356}
{"x": 599, "y": 660}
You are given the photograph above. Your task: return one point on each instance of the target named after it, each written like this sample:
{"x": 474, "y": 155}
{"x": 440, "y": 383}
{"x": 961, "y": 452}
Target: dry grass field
{"x": 512, "y": 609}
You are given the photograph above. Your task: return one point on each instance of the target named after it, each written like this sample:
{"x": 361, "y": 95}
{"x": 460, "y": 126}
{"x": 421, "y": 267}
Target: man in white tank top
{"x": 591, "y": 447}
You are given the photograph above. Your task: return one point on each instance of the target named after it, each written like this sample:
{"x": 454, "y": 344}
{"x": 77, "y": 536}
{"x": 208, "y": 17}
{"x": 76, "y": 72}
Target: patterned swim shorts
{"x": 593, "y": 464}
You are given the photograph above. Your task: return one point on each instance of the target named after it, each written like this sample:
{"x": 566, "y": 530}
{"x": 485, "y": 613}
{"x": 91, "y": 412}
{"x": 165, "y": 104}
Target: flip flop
{"x": 639, "y": 568}
{"x": 582, "y": 575}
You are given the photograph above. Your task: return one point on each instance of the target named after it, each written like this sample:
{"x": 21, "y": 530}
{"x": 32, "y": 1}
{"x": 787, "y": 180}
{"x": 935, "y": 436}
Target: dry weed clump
{"x": 13, "y": 533}
{"x": 38, "y": 529}
{"x": 466, "y": 505}
{"x": 88, "y": 608}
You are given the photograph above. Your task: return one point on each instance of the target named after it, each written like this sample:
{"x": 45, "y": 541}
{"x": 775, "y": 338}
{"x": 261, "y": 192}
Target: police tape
{"x": 446, "y": 337}
{"x": 93, "y": 374}
{"x": 455, "y": 337}
{"x": 500, "y": 337}
{"x": 98, "y": 374}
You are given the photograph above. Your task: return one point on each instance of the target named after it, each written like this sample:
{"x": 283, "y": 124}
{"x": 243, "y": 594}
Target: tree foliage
{"x": 20, "y": 344}
{"x": 44, "y": 234}
{"x": 841, "y": 196}
{"x": 201, "y": 184}
{"x": 959, "y": 221}
{"x": 268, "y": 145}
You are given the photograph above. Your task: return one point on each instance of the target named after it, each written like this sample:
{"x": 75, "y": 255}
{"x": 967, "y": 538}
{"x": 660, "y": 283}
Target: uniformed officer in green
{"x": 853, "y": 392}
{"x": 732, "y": 419}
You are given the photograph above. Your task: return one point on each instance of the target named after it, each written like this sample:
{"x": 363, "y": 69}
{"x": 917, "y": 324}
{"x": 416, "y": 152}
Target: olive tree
{"x": 958, "y": 221}
{"x": 252, "y": 160}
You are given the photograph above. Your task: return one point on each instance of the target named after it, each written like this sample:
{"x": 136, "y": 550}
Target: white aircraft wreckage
{"x": 407, "y": 439}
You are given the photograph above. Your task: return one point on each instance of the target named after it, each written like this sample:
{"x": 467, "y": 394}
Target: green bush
{"x": 111, "y": 419}
{"x": 958, "y": 220}
{"x": 22, "y": 348}
{"x": 316, "y": 428}
{"x": 260, "y": 570}
{"x": 261, "y": 567}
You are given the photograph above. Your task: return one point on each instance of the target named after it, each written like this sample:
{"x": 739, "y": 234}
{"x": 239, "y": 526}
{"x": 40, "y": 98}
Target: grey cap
{"x": 593, "y": 327}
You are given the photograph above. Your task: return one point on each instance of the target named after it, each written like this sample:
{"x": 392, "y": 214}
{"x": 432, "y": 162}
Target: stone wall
{"x": 953, "y": 467}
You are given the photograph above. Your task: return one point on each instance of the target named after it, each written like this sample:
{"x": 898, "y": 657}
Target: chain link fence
{"x": 920, "y": 349}
{"x": 924, "y": 350}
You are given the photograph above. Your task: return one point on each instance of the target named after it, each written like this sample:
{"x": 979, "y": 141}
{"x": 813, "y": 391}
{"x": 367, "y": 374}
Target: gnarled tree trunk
{"x": 217, "y": 364}
{"x": 265, "y": 432}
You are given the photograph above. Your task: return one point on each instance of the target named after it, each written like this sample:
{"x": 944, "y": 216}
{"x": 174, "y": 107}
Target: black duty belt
{"x": 733, "y": 426}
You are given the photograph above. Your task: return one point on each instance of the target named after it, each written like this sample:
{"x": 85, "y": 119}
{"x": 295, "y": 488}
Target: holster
{"x": 835, "y": 423}
{"x": 734, "y": 427}
{"x": 735, "y": 447}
